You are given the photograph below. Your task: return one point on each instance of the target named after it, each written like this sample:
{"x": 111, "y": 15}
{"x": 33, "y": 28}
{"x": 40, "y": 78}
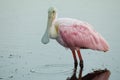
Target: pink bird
{"x": 73, "y": 34}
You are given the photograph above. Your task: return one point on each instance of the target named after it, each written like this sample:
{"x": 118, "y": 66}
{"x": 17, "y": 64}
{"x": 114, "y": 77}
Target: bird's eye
{"x": 53, "y": 11}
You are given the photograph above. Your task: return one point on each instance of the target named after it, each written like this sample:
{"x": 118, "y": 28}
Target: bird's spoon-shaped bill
{"x": 45, "y": 38}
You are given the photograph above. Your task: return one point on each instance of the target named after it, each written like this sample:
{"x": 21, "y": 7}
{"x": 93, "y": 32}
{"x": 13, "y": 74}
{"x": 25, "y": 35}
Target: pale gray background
{"x": 23, "y": 22}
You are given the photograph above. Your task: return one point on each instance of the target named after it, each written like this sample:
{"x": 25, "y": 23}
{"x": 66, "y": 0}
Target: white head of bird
{"x": 51, "y": 30}
{"x": 52, "y": 13}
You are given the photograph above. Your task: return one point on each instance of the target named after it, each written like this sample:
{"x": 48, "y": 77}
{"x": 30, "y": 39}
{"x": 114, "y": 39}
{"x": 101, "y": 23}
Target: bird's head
{"x": 51, "y": 17}
{"x": 52, "y": 12}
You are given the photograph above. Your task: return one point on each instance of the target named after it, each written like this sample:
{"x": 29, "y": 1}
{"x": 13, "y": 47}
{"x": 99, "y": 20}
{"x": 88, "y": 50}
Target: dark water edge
{"x": 95, "y": 75}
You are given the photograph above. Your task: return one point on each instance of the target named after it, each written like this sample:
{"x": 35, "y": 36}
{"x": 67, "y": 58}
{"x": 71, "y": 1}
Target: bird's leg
{"x": 75, "y": 59}
{"x": 80, "y": 58}
{"x": 81, "y": 63}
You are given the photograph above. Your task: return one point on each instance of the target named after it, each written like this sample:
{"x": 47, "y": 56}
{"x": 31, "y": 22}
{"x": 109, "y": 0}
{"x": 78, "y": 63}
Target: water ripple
{"x": 53, "y": 69}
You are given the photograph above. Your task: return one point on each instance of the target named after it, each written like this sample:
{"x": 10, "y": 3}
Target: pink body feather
{"x": 75, "y": 34}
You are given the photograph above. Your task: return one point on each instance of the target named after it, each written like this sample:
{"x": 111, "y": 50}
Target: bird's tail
{"x": 104, "y": 44}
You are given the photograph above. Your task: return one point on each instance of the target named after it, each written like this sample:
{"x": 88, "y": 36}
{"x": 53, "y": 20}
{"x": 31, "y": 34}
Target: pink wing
{"x": 82, "y": 36}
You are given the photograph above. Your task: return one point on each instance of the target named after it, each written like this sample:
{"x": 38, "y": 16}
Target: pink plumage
{"x": 75, "y": 34}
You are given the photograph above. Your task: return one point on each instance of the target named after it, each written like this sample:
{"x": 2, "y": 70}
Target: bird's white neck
{"x": 53, "y": 34}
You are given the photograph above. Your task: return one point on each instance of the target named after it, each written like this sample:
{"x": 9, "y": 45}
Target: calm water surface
{"x": 23, "y": 22}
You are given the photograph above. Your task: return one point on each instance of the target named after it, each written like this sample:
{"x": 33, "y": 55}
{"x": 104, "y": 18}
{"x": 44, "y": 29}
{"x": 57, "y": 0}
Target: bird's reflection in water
{"x": 95, "y": 75}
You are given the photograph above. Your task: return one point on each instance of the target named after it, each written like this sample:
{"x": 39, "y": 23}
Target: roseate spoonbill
{"x": 73, "y": 34}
